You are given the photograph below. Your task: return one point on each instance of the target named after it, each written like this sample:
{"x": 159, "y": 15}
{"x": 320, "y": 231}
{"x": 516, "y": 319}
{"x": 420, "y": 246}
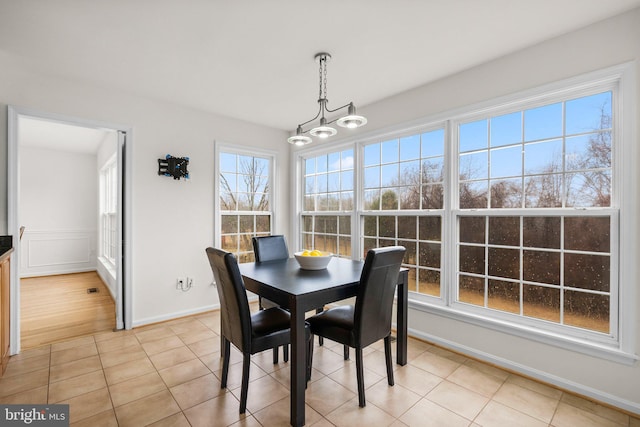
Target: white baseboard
{"x": 174, "y": 315}
{"x": 538, "y": 375}
{"x": 58, "y": 272}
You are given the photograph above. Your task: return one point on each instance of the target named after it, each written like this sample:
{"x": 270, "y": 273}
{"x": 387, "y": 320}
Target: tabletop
{"x": 289, "y": 278}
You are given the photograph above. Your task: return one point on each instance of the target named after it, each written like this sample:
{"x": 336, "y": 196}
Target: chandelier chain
{"x": 320, "y": 79}
{"x": 324, "y": 62}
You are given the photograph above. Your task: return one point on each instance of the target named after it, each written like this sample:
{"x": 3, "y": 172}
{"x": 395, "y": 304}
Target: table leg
{"x": 402, "y": 318}
{"x": 298, "y": 363}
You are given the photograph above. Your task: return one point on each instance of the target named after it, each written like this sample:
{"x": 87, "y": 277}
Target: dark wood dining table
{"x": 300, "y": 291}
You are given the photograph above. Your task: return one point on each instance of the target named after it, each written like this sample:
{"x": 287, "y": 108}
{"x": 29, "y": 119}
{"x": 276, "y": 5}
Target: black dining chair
{"x": 269, "y": 248}
{"x": 249, "y": 333}
{"x": 272, "y": 248}
{"x": 369, "y": 320}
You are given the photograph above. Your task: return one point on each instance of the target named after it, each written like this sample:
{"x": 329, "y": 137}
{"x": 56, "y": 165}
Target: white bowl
{"x": 313, "y": 262}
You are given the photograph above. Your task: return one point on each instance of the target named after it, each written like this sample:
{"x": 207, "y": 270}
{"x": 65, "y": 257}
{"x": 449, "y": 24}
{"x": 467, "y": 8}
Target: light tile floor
{"x": 169, "y": 375}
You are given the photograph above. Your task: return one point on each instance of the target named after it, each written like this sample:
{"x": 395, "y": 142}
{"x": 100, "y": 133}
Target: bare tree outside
{"x": 244, "y": 192}
{"x": 254, "y": 177}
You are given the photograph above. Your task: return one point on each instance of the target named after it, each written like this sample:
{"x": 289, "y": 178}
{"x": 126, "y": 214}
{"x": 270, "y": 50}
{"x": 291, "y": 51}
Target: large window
{"x": 554, "y": 263}
{"x": 511, "y": 213}
{"x": 244, "y": 200}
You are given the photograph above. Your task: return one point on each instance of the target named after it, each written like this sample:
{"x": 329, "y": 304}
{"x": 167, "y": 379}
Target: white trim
{"x": 86, "y": 245}
{"x": 529, "y": 332}
{"x": 174, "y": 315}
{"x": 59, "y": 271}
{"x": 13, "y": 185}
{"x": 295, "y": 243}
{"x": 628, "y": 268}
{"x": 61, "y": 231}
{"x": 536, "y": 374}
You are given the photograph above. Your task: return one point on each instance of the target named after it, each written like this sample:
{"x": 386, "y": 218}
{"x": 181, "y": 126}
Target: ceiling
{"x": 53, "y": 135}
{"x": 253, "y": 59}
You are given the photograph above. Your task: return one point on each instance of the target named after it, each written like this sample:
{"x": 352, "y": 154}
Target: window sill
{"x": 568, "y": 343}
{"x": 108, "y": 266}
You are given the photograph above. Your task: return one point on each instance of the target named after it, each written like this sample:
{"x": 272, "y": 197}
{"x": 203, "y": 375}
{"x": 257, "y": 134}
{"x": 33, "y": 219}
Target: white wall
{"x": 58, "y": 205}
{"x": 611, "y": 42}
{"x": 172, "y": 220}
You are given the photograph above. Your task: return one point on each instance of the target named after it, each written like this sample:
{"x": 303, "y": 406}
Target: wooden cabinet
{"x": 5, "y": 313}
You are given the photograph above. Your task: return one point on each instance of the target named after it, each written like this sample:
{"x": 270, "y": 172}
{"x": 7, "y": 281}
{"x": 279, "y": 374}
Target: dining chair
{"x": 369, "y": 319}
{"x": 249, "y": 333}
{"x": 269, "y": 248}
{"x": 272, "y": 248}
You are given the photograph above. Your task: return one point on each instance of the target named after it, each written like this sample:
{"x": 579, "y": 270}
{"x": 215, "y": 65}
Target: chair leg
{"x": 309, "y": 358}
{"x": 226, "y": 354}
{"x": 345, "y": 352}
{"x": 387, "y": 356}
{"x": 360, "y": 376}
{"x": 275, "y": 355}
{"x": 246, "y": 362}
{"x": 285, "y": 353}
{"x": 320, "y": 339}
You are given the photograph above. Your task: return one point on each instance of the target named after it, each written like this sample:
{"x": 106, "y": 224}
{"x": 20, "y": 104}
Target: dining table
{"x": 301, "y": 291}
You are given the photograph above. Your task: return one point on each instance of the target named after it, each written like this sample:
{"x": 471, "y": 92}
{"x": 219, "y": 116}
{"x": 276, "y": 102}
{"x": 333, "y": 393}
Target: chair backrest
{"x": 234, "y": 306}
{"x": 270, "y": 248}
{"x": 374, "y": 301}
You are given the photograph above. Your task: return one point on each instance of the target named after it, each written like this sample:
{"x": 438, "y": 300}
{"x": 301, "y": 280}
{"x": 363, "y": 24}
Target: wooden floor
{"x": 57, "y": 308}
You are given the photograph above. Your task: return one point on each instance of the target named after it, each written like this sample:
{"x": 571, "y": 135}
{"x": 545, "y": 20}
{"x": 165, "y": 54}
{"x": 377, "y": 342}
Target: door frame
{"x": 124, "y": 156}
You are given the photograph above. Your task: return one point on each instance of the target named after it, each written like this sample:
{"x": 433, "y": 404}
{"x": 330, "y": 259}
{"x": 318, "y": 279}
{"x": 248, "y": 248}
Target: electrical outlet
{"x": 181, "y": 283}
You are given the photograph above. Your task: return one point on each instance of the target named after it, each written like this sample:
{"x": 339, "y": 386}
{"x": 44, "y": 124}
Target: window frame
{"x": 547, "y": 98}
{"x": 620, "y": 80}
{"x": 222, "y": 147}
{"x": 108, "y": 212}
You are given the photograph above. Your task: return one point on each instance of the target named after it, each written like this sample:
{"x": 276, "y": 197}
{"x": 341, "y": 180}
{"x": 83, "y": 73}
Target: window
{"x": 553, "y": 264}
{"x": 244, "y": 203}
{"x": 512, "y": 214}
{"x": 108, "y": 212}
{"x": 552, "y": 156}
{"x": 328, "y": 193}
{"x": 404, "y": 203}
{"x": 405, "y": 173}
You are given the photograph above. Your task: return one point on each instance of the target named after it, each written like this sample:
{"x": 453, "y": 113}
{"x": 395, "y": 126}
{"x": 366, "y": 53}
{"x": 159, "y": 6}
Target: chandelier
{"x": 323, "y": 130}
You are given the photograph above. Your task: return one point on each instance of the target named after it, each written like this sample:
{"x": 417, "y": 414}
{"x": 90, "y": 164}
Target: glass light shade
{"x": 352, "y": 121}
{"x": 299, "y": 140}
{"x": 323, "y": 131}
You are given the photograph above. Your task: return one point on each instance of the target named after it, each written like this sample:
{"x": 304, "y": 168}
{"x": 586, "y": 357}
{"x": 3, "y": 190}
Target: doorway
{"x": 47, "y": 248}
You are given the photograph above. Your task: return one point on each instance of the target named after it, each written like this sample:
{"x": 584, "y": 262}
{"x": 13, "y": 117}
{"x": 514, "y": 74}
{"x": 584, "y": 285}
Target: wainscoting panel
{"x": 47, "y": 252}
